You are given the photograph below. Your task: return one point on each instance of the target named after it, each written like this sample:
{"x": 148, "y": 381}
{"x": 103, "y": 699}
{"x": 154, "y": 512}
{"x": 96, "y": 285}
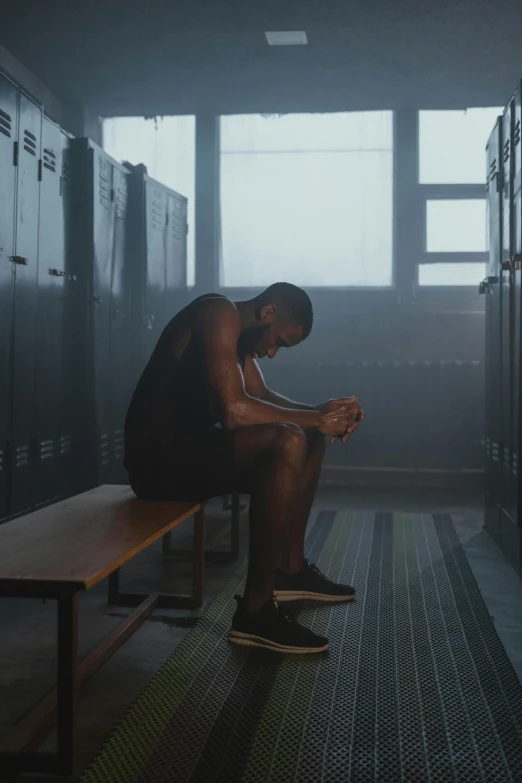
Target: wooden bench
{"x": 57, "y": 552}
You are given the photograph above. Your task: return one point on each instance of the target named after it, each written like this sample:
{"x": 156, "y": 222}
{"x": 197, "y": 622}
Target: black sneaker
{"x": 310, "y": 584}
{"x": 271, "y": 629}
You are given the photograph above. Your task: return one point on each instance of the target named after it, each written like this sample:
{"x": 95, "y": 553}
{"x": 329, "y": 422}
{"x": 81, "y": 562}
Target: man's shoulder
{"x": 216, "y": 310}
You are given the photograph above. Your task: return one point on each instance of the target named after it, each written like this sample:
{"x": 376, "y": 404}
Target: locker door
{"x": 493, "y": 422}
{"x": 507, "y": 309}
{"x": 24, "y": 442}
{"x": 155, "y": 318}
{"x": 50, "y": 320}
{"x": 66, "y": 414}
{"x": 176, "y": 251}
{"x": 516, "y": 299}
{"x": 8, "y": 137}
{"x": 102, "y": 272}
{"x": 120, "y": 339}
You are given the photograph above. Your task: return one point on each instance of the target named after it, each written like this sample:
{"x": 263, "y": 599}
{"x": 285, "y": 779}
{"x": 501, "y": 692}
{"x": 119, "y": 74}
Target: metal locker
{"x": 506, "y": 309}
{"x": 97, "y": 260}
{"x": 120, "y": 329}
{"x": 176, "y": 244}
{"x": 156, "y": 271}
{"x": 516, "y": 272}
{"x": 53, "y": 427}
{"x": 157, "y": 230}
{"x": 8, "y": 138}
{"x": 24, "y": 448}
{"x": 493, "y": 422}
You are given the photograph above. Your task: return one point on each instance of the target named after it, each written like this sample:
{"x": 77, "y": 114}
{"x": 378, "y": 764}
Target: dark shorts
{"x": 196, "y": 467}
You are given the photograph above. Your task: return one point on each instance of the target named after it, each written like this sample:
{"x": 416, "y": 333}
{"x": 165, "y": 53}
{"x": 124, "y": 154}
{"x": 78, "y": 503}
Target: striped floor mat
{"x": 416, "y": 687}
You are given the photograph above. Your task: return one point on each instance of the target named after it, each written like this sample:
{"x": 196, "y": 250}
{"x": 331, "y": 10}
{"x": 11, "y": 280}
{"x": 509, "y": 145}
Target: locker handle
{"x": 57, "y": 272}
{"x": 487, "y": 281}
{"x": 18, "y": 260}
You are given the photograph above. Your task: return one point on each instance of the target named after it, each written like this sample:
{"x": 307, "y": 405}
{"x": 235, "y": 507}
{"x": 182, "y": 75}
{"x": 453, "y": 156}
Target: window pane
{"x": 452, "y": 145}
{"x": 167, "y": 147}
{"x": 307, "y": 199}
{"x": 456, "y": 226}
{"x": 452, "y": 274}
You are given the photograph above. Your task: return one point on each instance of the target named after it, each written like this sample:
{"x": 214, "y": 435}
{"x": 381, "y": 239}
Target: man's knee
{"x": 287, "y": 437}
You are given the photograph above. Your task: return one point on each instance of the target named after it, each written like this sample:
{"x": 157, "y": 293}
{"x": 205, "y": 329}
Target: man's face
{"x": 273, "y": 336}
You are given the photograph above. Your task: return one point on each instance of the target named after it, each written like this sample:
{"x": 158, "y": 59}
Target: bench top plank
{"x": 79, "y": 541}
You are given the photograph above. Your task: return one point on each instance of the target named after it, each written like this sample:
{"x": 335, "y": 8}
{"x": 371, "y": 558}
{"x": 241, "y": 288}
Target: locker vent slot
{"x": 1, "y": 460}
{"x": 104, "y": 449}
{"x": 22, "y": 456}
{"x": 49, "y": 160}
{"x": 65, "y": 444}
{"x": 118, "y": 444}
{"x": 66, "y": 171}
{"x": 158, "y": 216}
{"x": 507, "y": 150}
{"x": 514, "y": 464}
{"x": 105, "y": 189}
{"x": 29, "y": 143}
{"x": 47, "y": 449}
{"x": 5, "y": 124}
{"x": 121, "y": 202}
{"x": 495, "y": 452}
{"x": 517, "y": 132}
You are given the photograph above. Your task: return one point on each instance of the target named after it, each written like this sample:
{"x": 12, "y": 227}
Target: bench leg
{"x": 67, "y": 680}
{"x": 213, "y": 556}
{"x": 24, "y": 758}
{"x": 193, "y": 601}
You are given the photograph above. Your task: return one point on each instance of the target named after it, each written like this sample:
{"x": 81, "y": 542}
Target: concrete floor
{"x": 28, "y": 627}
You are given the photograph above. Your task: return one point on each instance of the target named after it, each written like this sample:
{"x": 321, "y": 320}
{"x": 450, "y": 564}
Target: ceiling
{"x": 154, "y": 57}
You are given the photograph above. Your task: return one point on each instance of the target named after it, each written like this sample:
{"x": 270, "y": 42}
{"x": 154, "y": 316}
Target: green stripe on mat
{"x": 127, "y": 748}
{"x": 296, "y": 678}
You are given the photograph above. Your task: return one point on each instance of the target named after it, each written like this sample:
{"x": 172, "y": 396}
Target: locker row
{"x": 502, "y": 288}
{"x": 92, "y": 267}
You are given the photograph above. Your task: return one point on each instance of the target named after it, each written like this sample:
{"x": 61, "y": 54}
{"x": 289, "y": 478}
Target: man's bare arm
{"x": 256, "y": 387}
{"x": 219, "y": 331}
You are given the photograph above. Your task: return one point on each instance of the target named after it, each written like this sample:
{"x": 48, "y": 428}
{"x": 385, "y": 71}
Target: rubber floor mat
{"x": 416, "y": 686}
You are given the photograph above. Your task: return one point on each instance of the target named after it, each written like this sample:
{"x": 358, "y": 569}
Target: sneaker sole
{"x": 290, "y": 595}
{"x": 249, "y": 640}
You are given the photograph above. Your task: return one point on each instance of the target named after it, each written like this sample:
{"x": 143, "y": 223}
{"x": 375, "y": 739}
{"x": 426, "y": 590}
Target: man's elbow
{"x": 234, "y": 416}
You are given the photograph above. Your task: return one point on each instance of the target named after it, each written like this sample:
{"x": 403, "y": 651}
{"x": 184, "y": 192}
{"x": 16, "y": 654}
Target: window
{"x": 452, "y": 175}
{"x": 167, "y": 147}
{"x": 307, "y": 198}
{"x": 449, "y": 274}
{"x": 456, "y": 226}
{"x": 452, "y": 145}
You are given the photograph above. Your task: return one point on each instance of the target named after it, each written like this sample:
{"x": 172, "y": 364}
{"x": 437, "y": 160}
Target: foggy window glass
{"x": 307, "y": 198}
{"x": 167, "y": 147}
{"x": 456, "y": 226}
{"x": 451, "y": 274}
{"x": 452, "y": 145}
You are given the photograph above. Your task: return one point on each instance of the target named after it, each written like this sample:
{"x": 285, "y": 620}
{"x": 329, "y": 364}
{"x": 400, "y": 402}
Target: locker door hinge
{"x": 40, "y": 170}
{"x": 15, "y": 153}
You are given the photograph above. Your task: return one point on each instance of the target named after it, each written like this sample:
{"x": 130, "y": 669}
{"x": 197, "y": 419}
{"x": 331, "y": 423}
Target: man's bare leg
{"x": 271, "y": 459}
{"x": 291, "y": 558}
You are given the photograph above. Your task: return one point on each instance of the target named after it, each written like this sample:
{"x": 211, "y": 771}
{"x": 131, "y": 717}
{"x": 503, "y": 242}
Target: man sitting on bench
{"x": 202, "y": 424}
